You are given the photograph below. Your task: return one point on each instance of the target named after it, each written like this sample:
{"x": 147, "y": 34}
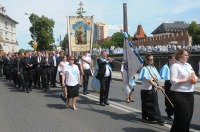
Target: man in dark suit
{"x": 16, "y": 70}
{"x": 56, "y": 61}
{"x": 104, "y": 75}
{"x": 27, "y": 65}
{"x": 38, "y": 69}
{"x": 46, "y": 63}
{"x": 8, "y": 66}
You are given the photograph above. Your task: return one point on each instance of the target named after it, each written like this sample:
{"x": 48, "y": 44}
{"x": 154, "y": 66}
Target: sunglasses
{"x": 150, "y": 59}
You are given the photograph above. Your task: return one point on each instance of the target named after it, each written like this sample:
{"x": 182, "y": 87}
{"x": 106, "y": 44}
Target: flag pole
{"x": 125, "y": 39}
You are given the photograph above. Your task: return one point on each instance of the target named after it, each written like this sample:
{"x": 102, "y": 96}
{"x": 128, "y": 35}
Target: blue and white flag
{"x": 132, "y": 61}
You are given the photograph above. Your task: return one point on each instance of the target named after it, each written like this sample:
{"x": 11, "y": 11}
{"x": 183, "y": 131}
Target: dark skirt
{"x": 183, "y": 111}
{"x": 72, "y": 91}
{"x": 150, "y": 107}
{"x": 169, "y": 109}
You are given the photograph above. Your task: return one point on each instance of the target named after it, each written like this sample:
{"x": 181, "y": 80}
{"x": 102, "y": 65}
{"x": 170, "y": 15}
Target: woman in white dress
{"x": 62, "y": 68}
{"x": 72, "y": 77}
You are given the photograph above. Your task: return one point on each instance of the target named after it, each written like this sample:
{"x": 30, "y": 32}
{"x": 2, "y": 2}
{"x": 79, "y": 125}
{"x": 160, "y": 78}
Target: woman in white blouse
{"x": 72, "y": 77}
{"x": 62, "y": 68}
{"x": 182, "y": 79}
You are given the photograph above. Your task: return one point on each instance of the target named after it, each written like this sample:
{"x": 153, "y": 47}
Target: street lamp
{"x": 34, "y": 35}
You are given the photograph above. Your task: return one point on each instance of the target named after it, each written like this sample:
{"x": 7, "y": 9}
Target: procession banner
{"x": 80, "y": 33}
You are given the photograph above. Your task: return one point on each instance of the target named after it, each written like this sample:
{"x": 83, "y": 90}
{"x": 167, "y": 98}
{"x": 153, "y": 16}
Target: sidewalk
{"x": 116, "y": 75}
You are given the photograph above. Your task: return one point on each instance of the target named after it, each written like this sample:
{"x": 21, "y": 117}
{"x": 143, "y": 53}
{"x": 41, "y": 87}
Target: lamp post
{"x": 34, "y": 35}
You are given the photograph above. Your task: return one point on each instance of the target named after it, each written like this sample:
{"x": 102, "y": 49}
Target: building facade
{"x": 167, "y": 34}
{"x": 100, "y": 31}
{"x": 8, "y": 41}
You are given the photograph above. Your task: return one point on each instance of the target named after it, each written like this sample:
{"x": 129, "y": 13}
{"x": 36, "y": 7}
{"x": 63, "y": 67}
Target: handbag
{"x": 62, "y": 96}
{"x": 99, "y": 75}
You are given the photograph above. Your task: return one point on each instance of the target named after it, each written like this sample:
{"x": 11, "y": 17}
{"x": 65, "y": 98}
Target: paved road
{"x": 41, "y": 111}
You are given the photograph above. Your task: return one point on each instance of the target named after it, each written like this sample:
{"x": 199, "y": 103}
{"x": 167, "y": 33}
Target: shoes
{"x": 145, "y": 118}
{"x": 131, "y": 100}
{"x": 87, "y": 92}
{"x": 127, "y": 101}
{"x": 106, "y": 103}
{"x": 161, "y": 122}
{"x": 74, "y": 108}
{"x": 67, "y": 106}
{"x": 102, "y": 104}
{"x": 84, "y": 93}
{"x": 169, "y": 117}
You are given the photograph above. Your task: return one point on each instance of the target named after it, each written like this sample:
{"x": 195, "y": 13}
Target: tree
{"x": 65, "y": 42}
{"x": 118, "y": 38}
{"x": 43, "y": 29}
{"x": 108, "y": 44}
{"x": 194, "y": 31}
{"x": 22, "y": 50}
{"x": 182, "y": 22}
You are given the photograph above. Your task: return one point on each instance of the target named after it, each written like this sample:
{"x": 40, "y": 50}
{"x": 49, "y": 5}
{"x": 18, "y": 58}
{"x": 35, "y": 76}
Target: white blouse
{"x": 62, "y": 69}
{"x": 181, "y": 71}
{"x": 72, "y": 80}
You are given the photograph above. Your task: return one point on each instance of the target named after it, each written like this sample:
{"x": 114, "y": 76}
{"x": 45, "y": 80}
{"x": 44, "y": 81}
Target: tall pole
{"x": 125, "y": 59}
{"x": 125, "y": 18}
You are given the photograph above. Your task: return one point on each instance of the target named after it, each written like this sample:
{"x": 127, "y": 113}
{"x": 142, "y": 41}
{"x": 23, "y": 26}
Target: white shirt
{"x": 86, "y": 66}
{"x": 54, "y": 60}
{"x": 107, "y": 73}
{"x": 62, "y": 69}
{"x": 181, "y": 71}
{"x": 146, "y": 85}
{"x": 71, "y": 80}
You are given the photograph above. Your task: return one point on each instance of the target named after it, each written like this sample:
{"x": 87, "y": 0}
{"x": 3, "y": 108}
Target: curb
{"x": 197, "y": 92}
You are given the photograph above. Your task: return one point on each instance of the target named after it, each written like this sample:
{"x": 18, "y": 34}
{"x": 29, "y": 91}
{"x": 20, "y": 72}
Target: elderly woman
{"x": 72, "y": 77}
{"x": 149, "y": 96}
{"x": 182, "y": 79}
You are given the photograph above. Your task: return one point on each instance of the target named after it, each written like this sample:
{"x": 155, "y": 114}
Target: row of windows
{"x": 8, "y": 36}
{"x": 6, "y": 26}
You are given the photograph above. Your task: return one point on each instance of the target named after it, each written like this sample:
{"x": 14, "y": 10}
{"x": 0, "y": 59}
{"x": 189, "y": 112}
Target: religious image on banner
{"x": 80, "y": 33}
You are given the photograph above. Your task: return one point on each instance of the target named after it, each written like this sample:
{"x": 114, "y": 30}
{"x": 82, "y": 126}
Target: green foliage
{"x": 183, "y": 22}
{"x": 95, "y": 45}
{"x": 194, "y": 31}
{"x": 118, "y": 39}
{"x": 43, "y": 29}
{"x": 22, "y": 50}
{"x": 108, "y": 43}
{"x": 65, "y": 42}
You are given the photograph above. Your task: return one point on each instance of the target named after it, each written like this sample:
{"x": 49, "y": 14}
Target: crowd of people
{"x": 149, "y": 49}
{"x": 43, "y": 68}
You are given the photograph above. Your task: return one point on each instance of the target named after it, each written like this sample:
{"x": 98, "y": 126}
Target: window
{"x": 6, "y": 25}
{"x": 6, "y": 35}
{"x": 12, "y": 27}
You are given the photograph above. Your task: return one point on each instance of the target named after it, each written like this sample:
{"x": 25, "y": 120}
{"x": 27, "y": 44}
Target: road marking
{"x": 124, "y": 108}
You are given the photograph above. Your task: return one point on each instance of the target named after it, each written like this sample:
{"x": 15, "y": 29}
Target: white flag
{"x": 134, "y": 63}
{"x": 124, "y": 66}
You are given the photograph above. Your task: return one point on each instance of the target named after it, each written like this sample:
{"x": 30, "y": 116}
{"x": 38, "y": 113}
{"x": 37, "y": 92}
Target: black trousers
{"x": 150, "y": 107}
{"x": 169, "y": 109}
{"x": 183, "y": 111}
{"x": 38, "y": 74}
{"x": 104, "y": 90}
{"x": 46, "y": 72}
{"x": 28, "y": 79}
{"x": 86, "y": 79}
{"x": 53, "y": 75}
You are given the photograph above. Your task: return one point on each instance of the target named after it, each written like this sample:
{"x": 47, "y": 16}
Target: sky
{"x": 149, "y": 13}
